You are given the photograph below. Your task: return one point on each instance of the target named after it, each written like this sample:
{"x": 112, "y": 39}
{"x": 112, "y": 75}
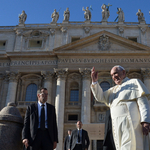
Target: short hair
{"x": 69, "y": 130}
{"x": 39, "y": 90}
{"x": 119, "y": 67}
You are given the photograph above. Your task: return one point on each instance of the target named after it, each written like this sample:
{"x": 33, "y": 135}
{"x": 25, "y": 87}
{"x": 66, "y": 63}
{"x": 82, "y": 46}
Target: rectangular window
{"x": 133, "y": 39}
{"x": 74, "y": 95}
{"x": 35, "y": 43}
{"x": 2, "y": 45}
{"x": 72, "y": 117}
{"x": 73, "y": 39}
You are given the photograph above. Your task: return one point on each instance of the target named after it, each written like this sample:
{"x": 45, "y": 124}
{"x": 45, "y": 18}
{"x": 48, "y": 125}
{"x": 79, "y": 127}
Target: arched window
{"x": 74, "y": 91}
{"x": 105, "y": 85}
{"x": 31, "y": 92}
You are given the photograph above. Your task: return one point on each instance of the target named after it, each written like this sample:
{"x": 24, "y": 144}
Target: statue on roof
{"x": 140, "y": 16}
{"x": 22, "y": 17}
{"x": 105, "y": 12}
{"x": 66, "y": 14}
{"x": 55, "y": 16}
{"x": 87, "y": 13}
{"x": 120, "y": 15}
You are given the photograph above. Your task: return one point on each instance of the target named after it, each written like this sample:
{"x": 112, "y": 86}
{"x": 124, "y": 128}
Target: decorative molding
{"x": 134, "y": 75}
{"x": 52, "y": 31}
{"x": 12, "y": 76}
{"x": 64, "y": 29}
{"x": 104, "y": 43}
{"x": 143, "y": 30}
{"x": 47, "y": 75}
{"x": 61, "y": 73}
{"x": 121, "y": 30}
{"x": 74, "y": 76}
{"x": 86, "y": 72}
{"x": 87, "y": 29}
{"x": 145, "y": 73}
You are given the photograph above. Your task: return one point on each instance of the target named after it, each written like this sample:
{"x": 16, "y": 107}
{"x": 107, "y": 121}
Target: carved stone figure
{"x": 66, "y": 14}
{"x": 87, "y": 13}
{"x": 105, "y": 12}
{"x": 120, "y": 15}
{"x": 22, "y": 17}
{"x": 104, "y": 43}
{"x": 55, "y": 16}
{"x": 140, "y": 16}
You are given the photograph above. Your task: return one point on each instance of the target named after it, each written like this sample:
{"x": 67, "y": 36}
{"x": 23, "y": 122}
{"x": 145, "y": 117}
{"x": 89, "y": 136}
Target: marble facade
{"x": 59, "y": 57}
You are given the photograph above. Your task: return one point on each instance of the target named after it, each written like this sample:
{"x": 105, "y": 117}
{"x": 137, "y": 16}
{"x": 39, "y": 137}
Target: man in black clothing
{"x": 67, "y": 140}
{"x": 108, "y": 143}
{"x": 40, "y": 127}
{"x": 79, "y": 138}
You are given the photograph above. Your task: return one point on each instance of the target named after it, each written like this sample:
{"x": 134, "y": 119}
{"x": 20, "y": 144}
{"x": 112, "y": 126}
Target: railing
{"x": 73, "y": 104}
{"x": 7, "y": 27}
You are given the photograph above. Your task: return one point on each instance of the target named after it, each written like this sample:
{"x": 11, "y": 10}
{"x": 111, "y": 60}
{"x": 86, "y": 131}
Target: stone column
{"x": 94, "y": 145}
{"x": 86, "y": 95}
{"x": 59, "y": 103}
{"x": 146, "y": 77}
{"x": 12, "y": 87}
{"x": 48, "y": 84}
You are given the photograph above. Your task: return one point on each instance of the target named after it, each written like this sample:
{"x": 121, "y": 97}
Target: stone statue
{"x": 22, "y": 17}
{"x": 140, "y": 16}
{"x": 120, "y": 15}
{"x": 87, "y": 13}
{"x": 66, "y": 14}
{"x": 105, "y": 12}
{"x": 55, "y": 16}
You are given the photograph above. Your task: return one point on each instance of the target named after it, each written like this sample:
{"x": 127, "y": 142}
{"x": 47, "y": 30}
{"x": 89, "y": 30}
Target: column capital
{"x": 61, "y": 73}
{"x": 86, "y": 72}
{"x": 47, "y": 75}
{"x": 145, "y": 73}
{"x": 12, "y": 76}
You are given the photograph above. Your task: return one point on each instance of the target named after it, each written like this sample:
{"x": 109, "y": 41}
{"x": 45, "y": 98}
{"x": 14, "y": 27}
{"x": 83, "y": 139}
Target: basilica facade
{"x": 59, "y": 56}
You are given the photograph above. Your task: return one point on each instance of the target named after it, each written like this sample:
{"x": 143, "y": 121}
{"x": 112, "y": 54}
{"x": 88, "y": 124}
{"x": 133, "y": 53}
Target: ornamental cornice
{"x": 12, "y": 76}
{"x": 134, "y": 75}
{"x": 61, "y": 73}
{"x": 86, "y": 72}
{"x": 74, "y": 77}
{"x": 145, "y": 73}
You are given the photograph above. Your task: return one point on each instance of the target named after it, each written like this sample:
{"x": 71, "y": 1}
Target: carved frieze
{"x": 104, "y": 42}
{"x": 145, "y": 73}
{"x": 86, "y": 72}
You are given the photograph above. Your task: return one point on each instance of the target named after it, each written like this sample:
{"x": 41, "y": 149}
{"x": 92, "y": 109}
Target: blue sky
{"x": 39, "y": 11}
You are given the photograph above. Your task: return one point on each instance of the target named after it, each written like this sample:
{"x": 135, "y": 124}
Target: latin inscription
{"x": 75, "y": 61}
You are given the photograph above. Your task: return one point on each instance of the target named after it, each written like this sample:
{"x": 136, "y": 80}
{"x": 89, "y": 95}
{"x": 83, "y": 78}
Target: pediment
{"x": 103, "y": 42}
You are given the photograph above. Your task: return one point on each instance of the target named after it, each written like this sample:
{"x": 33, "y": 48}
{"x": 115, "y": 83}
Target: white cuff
{"x": 93, "y": 83}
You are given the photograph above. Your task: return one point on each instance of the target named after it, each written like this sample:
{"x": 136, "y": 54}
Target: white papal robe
{"x": 129, "y": 107}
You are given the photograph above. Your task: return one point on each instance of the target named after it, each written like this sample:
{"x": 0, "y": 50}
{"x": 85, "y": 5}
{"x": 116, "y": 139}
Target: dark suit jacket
{"x": 31, "y": 123}
{"x": 74, "y": 137}
{"x": 108, "y": 143}
{"x": 67, "y": 143}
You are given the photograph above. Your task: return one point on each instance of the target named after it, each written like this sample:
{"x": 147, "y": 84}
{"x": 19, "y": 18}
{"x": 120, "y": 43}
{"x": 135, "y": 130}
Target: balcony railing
{"x": 73, "y": 104}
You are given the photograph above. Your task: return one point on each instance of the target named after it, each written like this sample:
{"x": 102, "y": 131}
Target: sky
{"x": 39, "y": 11}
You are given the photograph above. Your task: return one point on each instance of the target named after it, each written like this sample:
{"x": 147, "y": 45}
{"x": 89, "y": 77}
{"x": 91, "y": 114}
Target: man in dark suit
{"x": 79, "y": 138}
{"x": 40, "y": 128}
{"x": 67, "y": 140}
{"x": 108, "y": 143}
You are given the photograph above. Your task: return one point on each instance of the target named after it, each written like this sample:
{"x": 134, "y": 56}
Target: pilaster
{"x": 86, "y": 95}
